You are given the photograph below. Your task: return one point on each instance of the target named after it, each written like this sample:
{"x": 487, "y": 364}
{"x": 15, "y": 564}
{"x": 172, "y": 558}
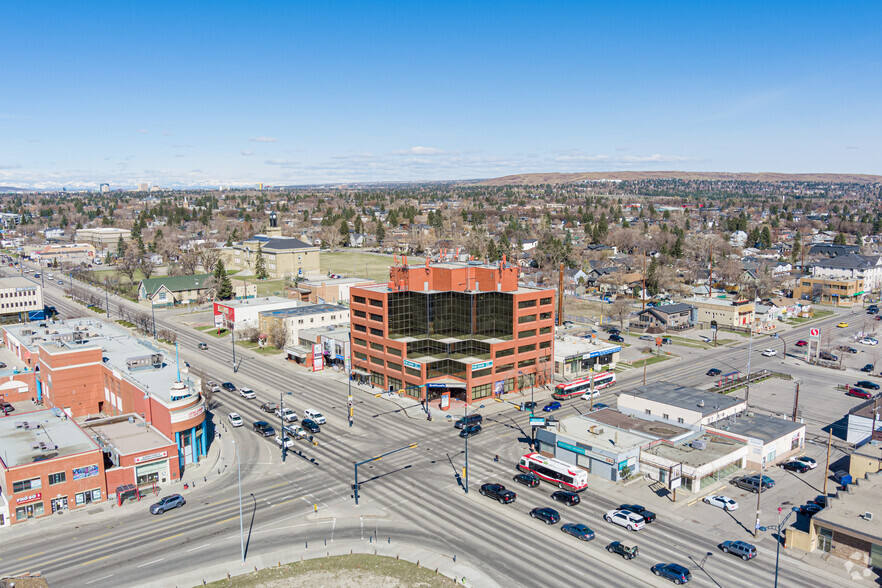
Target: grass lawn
{"x": 650, "y": 360}
{"x": 353, "y": 571}
{"x": 211, "y": 330}
{"x": 264, "y": 287}
{"x": 268, "y": 350}
{"x": 361, "y": 264}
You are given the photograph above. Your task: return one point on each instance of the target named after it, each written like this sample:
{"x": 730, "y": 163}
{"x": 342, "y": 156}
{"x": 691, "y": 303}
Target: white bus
{"x": 564, "y": 475}
{"x": 582, "y": 386}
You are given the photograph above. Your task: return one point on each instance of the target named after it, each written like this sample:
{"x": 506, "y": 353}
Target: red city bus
{"x": 582, "y": 386}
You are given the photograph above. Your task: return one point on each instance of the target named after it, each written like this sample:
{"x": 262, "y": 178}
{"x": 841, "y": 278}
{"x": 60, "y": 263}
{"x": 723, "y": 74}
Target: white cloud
{"x": 264, "y": 139}
{"x": 246, "y": 153}
{"x": 282, "y": 162}
{"x": 418, "y": 150}
{"x": 143, "y": 131}
{"x": 10, "y": 166}
{"x": 166, "y": 133}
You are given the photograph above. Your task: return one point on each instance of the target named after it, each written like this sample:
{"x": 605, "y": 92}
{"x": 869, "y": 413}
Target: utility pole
{"x": 643, "y": 294}
{"x": 796, "y": 402}
{"x": 827, "y": 469}
{"x": 282, "y": 423}
{"x": 560, "y": 296}
{"x": 759, "y": 493}
{"x": 591, "y": 400}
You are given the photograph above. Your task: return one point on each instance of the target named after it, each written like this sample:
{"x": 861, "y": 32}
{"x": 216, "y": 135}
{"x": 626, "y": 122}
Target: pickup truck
{"x": 269, "y": 407}
{"x": 263, "y": 428}
{"x": 498, "y": 492}
{"x": 212, "y": 386}
{"x": 287, "y": 413}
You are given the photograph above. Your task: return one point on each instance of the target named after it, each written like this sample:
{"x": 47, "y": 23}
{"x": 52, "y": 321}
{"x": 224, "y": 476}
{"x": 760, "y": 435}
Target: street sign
{"x": 814, "y": 334}
{"x": 537, "y": 421}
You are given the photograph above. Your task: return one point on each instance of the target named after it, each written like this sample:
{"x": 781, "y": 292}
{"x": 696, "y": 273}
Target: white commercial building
{"x": 19, "y": 295}
{"x": 239, "y": 315}
{"x": 670, "y": 402}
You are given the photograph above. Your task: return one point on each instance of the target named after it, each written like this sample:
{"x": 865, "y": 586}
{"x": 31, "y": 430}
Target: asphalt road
{"x": 417, "y": 488}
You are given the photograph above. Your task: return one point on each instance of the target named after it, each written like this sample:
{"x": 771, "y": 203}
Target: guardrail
{"x": 754, "y": 378}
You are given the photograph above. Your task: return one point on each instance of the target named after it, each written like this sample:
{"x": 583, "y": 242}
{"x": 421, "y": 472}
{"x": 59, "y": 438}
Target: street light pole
{"x": 233, "y": 340}
{"x": 241, "y": 528}
{"x": 153, "y": 311}
{"x": 778, "y": 546}
{"x": 106, "y": 299}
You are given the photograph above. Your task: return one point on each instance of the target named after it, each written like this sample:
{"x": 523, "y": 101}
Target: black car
{"x": 228, "y": 386}
{"x": 568, "y": 498}
{"x": 617, "y": 339}
{"x": 673, "y": 572}
{"x": 310, "y": 425}
{"x": 868, "y": 368}
{"x": 578, "y": 530}
{"x": 498, "y": 492}
{"x": 810, "y": 510}
{"x": 848, "y": 349}
{"x": 868, "y": 385}
{"x": 6, "y": 407}
{"x": 713, "y": 372}
{"x": 264, "y": 428}
{"x": 549, "y": 515}
{"x": 529, "y": 405}
{"x": 470, "y": 431}
{"x": 796, "y": 466}
{"x": 528, "y": 480}
{"x": 623, "y": 550}
{"x": 647, "y": 515}
{"x": 613, "y": 331}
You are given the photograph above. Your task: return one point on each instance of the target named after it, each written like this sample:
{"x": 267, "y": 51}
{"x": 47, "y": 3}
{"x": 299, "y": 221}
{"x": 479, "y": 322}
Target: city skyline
{"x": 223, "y": 94}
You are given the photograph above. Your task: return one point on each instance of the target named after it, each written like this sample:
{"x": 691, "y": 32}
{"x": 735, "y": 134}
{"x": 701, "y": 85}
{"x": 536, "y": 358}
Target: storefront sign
{"x": 609, "y": 351}
{"x": 317, "y": 359}
{"x": 436, "y": 385}
{"x": 539, "y": 422}
{"x": 196, "y": 411}
{"x": 412, "y": 364}
{"x": 585, "y": 452}
{"x": 482, "y": 365}
{"x": 445, "y": 401}
{"x": 151, "y": 457}
{"x": 85, "y": 472}
{"x": 29, "y": 498}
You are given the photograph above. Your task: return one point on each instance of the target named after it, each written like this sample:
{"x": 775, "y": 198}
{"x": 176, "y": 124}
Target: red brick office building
{"x": 467, "y": 329}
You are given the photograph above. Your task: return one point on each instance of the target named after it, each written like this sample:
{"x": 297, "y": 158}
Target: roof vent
{"x": 701, "y": 403}
{"x": 868, "y": 516}
{"x": 699, "y": 444}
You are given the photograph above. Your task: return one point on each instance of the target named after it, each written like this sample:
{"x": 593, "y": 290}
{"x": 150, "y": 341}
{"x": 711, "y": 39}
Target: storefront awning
{"x": 299, "y": 352}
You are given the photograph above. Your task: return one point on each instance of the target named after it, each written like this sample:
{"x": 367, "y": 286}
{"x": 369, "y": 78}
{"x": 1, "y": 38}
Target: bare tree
{"x": 142, "y": 322}
{"x": 147, "y": 267}
{"x": 209, "y": 258}
{"x": 249, "y": 334}
{"x": 128, "y": 264}
{"x": 278, "y": 335}
{"x": 620, "y": 310}
{"x": 188, "y": 263}
{"x": 168, "y": 335}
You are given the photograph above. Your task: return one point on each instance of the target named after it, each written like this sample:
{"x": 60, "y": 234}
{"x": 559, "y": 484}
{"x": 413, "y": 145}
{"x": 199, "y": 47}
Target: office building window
{"x": 377, "y": 347}
{"x": 56, "y": 478}
{"x": 358, "y": 299}
{"x": 527, "y": 303}
{"x": 481, "y": 373}
{"x": 527, "y": 333}
{"x": 526, "y": 363}
{"x": 393, "y": 351}
{"x": 361, "y": 342}
{"x": 527, "y": 348}
{"x": 527, "y": 318}
{"x": 377, "y": 303}
{"x": 505, "y": 352}
{"x": 545, "y": 301}
{"x": 377, "y": 317}
{"x": 377, "y": 332}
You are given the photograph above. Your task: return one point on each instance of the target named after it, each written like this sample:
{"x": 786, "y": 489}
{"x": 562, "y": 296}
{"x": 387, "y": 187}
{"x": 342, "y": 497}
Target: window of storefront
{"x": 377, "y": 379}
{"x": 87, "y": 497}
{"x": 59, "y": 503}
{"x": 29, "y": 511}
{"x": 509, "y": 384}
{"x": 720, "y": 474}
{"x": 481, "y": 391}
{"x": 56, "y": 478}
{"x": 395, "y": 384}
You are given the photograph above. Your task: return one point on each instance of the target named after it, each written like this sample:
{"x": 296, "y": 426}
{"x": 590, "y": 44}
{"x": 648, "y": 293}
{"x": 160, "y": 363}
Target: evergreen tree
{"x": 260, "y": 264}
{"x": 344, "y": 233}
{"x": 766, "y": 238}
{"x": 839, "y": 239}
{"x": 492, "y": 251}
{"x": 797, "y": 247}
{"x": 677, "y": 249}
{"x": 380, "y": 233}
{"x": 651, "y": 277}
{"x": 120, "y": 247}
{"x": 222, "y": 282}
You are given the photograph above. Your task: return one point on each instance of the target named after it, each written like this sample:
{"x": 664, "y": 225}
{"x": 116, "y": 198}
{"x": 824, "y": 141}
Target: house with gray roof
{"x": 175, "y": 290}
{"x": 850, "y": 266}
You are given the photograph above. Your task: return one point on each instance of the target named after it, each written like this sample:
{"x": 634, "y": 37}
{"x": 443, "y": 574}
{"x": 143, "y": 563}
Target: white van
{"x": 316, "y": 416}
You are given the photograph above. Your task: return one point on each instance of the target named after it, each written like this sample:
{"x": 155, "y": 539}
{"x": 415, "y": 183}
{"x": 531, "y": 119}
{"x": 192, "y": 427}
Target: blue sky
{"x": 199, "y": 93}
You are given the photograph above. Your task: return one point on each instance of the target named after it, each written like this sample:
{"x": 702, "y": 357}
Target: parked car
{"x": 470, "y": 431}
{"x": 228, "y": 386}
{"x": 742, "y": 549}
{"x": 801, "y": 343}
{"x": 599, "y": 406}
{"x": 568, "y": 498}
{"x": 472, "y": 419}
{"x": 809, "y": 510}
{"x": 498, "y": 492}
{"x": 549, "y": 515}
{"x": 313, "y": 414}
{"x": 847, "y": 349}
{"x": 310, "y": 425}
{"x": 667, "y": 341}
{"x": 247, "y": 393}
{"x": 673, "y": 572}
{"x": 625, "y": 518}
{"x": 269, "y": 407}
{"x": 810, "y": 462}
{"x": 795, "y": 466}
{"x": 235, "y": 420}
{"x": 625, "y": 551}
{"x": 167, "y": 503}
{"x": 769, "y": 353}
{"x": 6, "y": 408}
{"x": 753, "y": 483}
{"x": 202, "y": 346}
{"x": 263, "y": 428}
{"x": 858, "y": 393}
{"x": 613, "y": 331}
{"x": 842, "y": 325}
{"x": 721, "y": 501}
{"x": 528, "y": 480}
{"x": 647, "y": 515}
{"x": 551, "y": 406}
{"x": 868, "y": 369}
{"x": 646, "y": 338}
{"x": 868, "y": 384}
{"x": 868, "y": 341}
{"x": 827, "y": 356}
{"x": 617, "y": 339}
{"x": 713, "y": 372}
{"x": 578, "y": 530}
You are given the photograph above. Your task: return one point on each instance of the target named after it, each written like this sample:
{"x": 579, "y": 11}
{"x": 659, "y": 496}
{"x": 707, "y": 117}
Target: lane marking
{"x": 170, "y": 537}
{"x": 85, "y": 563}
{"x": 30, "y": 556}
{"x": 99, "y": 579}
{"x": 227, "y": 520}
{"x": 200, "y": 547}
{"x": 150, "y": 562}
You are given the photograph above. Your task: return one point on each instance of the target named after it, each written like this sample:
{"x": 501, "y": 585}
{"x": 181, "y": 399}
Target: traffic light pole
{"x": 375, "y": 458}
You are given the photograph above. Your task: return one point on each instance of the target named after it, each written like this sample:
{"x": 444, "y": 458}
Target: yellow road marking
{"x": 227, "y": 520}
{"x": 169, "y": 537}
{"x": 94, "y": 560}
{"x": 30, "y": 556}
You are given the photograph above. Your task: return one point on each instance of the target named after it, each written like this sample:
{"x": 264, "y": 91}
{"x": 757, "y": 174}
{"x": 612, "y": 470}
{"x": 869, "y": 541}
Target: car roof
{"x": 235, "y": 414}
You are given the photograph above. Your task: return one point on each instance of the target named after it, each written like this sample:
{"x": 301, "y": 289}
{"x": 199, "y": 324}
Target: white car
{"x": 811, "y": 463}
{"x": 316, "y": 416}
{"x": 287, "y": 413}
{"x": 723, "y": 502}
{"x": 247, "y": 393}
{"x": 235, "y": 419}
{"x": 868, "y": 341}
{"x": 625, "y": 518}
{"x": 769, "y": 353}
{"x": 705, "y": 339}
{"x": 297, "y": 432}
{"x": 289, "y": 441}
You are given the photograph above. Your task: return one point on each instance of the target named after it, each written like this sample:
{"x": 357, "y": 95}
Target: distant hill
{"x": 558, "y": 178}
{"x": 7, "y": 189}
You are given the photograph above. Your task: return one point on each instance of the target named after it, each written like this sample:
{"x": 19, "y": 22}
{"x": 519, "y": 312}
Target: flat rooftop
{"x": 128, "y": 437}
{"x": 305, "y": 310}
{"x": 315, "y": 281}
{"x": 657, "y": 429}
{"x": 716, "y": 447}
{"x": 519, "y": 290}
{"x": 60, "y": 436}
{"x": 334, "y": 332}
{"x": 685, "y": 397}
{"x": 846, "y": 509}
{"x": 767, "y": 428}
{"x": 117, "y": 346}
{"x": 568, "y": 346}
{"x": 586, "y": 430}
{"x": 864, "y": 409}
{"x": 258, "y": 302}
{"x": 17, "y": 282}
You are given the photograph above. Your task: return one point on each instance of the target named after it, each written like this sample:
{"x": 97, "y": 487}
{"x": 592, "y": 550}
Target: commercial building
{"x": 91, "y": 368}
{"x": 103, "y": 237}
{"x": 65, "y": 253}
{"x": 49, "y": 464}
{"x": 726, "y": 312}
{"x": 576, "y": 357}
{"x": 291, "y": 321}
{"x": 175, "y": 290}
{"x": 243, "y": 314}
{"x": 703, "y": 459}
{"x": 866, "y": 459}
{"x": 863, "y": 422}
{"x": 851, "y": 266}
{"x": 670, "y": 402}
{"x": 466, "y": 330}
{"x": 770, "y": 439}
{"x": 284, "y": 257}
{"x": 329, "y": 290}
{"x": 19, "y": 296}
{"x": 334, "y": 342}
{"x": 846, "y": 291}
{"x": 669, "y": 317}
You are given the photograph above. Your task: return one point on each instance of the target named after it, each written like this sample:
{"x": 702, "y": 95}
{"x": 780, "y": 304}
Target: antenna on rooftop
{"x": 177, "y": 361}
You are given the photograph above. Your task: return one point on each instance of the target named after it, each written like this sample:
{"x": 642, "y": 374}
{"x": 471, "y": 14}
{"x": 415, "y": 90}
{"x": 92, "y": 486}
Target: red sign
{"x": 29, "y": 498}
{"x": 815, "y": 333}
{"x": 151, "y": 457}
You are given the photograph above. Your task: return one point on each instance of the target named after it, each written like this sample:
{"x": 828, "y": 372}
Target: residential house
{"x": 669, "y": 317}
{"x": 867, "y": 268}
{"x": 175, "y": 290}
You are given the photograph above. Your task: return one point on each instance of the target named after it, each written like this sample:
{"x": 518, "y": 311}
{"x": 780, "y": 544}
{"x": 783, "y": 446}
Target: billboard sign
{"x": 411, "y": 364}
{"x": 318, "y": 361}
{"x": 482, "y": 365}
{"x": 815, "y": 334}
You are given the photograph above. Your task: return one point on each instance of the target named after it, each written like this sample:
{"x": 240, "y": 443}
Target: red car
{"x": 858, "y": 393}
{"x": 801, "y": 343}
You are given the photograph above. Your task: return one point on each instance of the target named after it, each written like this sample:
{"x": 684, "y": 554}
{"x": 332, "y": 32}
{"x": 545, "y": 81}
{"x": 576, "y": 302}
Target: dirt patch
{"x": 344, "y": 571}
